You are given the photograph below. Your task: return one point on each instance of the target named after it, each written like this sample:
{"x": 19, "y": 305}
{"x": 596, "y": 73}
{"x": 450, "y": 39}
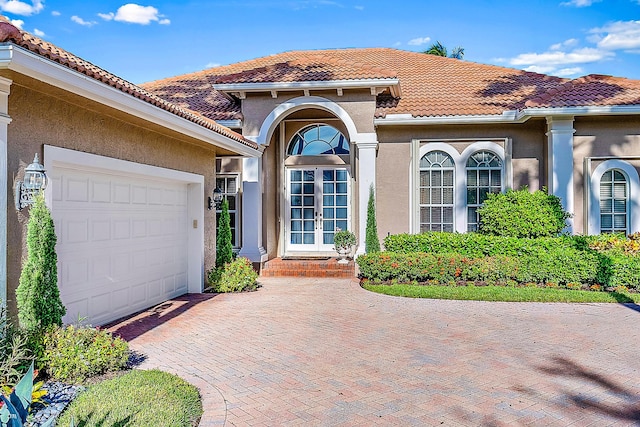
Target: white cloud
{"x": 617, "y": 35}
{"x": 55, "y": 13}
{"x": 578, "y": 56}
{"x": 38, "y": 33}
{"x": 579, "y": 3}
{"x": 569, "y": 72}
{"x": 17, "y": 23}
{"x": 419, "y": 41}
{"x": 212, "y": 65}
{"x": 136, "y": 14}
{"x": 564, "y": 44}
{"x": 81, "y": 21}
{"x": 397, "y": 44}
{"x": 107, "y": 16}
{"x": 540, "y": 69}
{"x": 21, "y": 8}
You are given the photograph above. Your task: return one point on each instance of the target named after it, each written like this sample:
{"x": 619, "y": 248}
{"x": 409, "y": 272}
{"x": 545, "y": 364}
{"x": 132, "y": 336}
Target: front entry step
{"x": 279, "y": 267}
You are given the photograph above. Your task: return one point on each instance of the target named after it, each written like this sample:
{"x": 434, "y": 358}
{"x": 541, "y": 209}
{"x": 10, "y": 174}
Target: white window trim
{"x": 633, "y": 209}
{"x": 238, "y": 243}
{"x": 460, "y": 178}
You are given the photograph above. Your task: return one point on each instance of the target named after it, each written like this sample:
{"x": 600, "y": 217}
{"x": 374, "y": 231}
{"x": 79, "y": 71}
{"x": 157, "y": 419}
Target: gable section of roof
{"x": 25, "y": 40}
{"x": 432, "y": 86}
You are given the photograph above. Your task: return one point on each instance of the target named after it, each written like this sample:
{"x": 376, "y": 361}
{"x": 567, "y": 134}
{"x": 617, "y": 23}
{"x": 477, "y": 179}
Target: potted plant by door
{"x": 344, "y": 241}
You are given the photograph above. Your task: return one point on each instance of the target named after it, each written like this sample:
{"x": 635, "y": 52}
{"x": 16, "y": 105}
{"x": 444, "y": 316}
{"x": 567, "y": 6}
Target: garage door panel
{"x": 121, "y": 242}
{"x": 100, "y": 191}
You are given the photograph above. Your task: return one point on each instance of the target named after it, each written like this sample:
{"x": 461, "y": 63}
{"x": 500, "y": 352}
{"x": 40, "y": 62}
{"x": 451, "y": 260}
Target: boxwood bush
{"x": 608, "y": 260}
{"x": 559, "y": 268}
{"x": 520, "y": 213}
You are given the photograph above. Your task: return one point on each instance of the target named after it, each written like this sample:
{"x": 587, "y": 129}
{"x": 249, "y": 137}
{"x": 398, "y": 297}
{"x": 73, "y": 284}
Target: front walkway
{"x": 326, "y": 352}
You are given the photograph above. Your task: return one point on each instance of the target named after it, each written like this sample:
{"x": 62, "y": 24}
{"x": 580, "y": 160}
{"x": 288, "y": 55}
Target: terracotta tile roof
{"x": 11, "y": 34}
{"x": 591, "y": 90}
{"x": 430, "y": 85}
{"x": 308, "y": 68}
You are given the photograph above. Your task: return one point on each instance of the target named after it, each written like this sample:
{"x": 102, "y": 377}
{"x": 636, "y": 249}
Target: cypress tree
{"x": 224, "y": 247}
{"x": 371, "y": 242}
{"x": 38, "y": 296}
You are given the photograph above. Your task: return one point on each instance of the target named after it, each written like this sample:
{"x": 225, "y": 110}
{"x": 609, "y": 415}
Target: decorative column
{"x": 252, "y": 210}
{"x": 367, "y": 146}
{"x": 5, "y": 86}
{"x": 560, "y": 162}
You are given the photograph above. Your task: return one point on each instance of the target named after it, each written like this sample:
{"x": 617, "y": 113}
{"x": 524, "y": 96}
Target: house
{"x": 433, "y": 135}
{"x": 129, "y": 175}
{"x": 294, "y": 141}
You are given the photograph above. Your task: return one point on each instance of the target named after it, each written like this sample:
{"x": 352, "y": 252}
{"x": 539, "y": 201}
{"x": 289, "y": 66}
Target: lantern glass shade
{"x": 217, "y": 196}
{"x": 34, "y": 176}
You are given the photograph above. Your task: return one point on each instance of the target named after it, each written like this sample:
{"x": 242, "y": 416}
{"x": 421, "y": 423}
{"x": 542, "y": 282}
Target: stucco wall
{"x": 601, "y": 137}
{"x": 75, "y": 123}
{"x": 359, "y": 104}
{"x": 393, "y": 165}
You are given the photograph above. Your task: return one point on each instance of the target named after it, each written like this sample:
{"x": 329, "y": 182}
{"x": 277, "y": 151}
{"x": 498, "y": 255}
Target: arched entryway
{"x": 317, "y": 196}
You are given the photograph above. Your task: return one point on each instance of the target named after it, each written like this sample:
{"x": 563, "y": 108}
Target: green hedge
{"x": 475, "y": 244}
{"x": 605, "y": 260}
{"x": 559, "y": 268}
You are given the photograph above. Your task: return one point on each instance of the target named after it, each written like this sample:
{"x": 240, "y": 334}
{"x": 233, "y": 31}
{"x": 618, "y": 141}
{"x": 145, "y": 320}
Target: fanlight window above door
{"x": 317, "y": 140}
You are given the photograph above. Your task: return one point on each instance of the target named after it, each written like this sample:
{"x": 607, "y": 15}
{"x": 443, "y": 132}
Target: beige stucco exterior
{"x": 525, "y": 144}
{"x": 44, "y": 115}
{"x": 602, "y": 138}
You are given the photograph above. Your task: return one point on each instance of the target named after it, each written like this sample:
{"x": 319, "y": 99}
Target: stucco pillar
{"x": 252, "y": 210}
{"x": 560, "y": 162}
{"x": 367, "y": 146}
{"x": 5, "y": 85}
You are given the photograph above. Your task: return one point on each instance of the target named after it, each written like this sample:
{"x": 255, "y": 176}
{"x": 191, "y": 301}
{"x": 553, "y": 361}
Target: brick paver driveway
{"x": 326, "y": 352}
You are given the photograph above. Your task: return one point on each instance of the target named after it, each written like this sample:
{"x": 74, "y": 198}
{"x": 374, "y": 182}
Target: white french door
{"x": 317, "y": 205}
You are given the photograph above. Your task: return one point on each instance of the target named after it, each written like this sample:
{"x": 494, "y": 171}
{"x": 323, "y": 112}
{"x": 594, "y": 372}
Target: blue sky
{"x": 152, "y": 39}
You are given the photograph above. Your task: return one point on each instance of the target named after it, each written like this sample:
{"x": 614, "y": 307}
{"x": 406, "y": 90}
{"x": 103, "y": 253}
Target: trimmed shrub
{"x": 475, "y": 244}
{"x": 75, "y": 353}
{"x": 445, "y": 268}
{"x": 371, "y": 242}
{"x": 236, "y": 276}
{"x": 522, "y": 214}
{"x": 38, "y": 297}
{"x": 224, "y": 246}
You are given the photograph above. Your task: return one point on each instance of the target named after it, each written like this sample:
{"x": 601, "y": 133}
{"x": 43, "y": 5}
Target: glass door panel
{"x": 317, "y": 206}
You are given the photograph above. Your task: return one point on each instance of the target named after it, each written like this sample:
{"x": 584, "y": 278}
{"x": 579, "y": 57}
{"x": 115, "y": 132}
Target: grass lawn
{"x": 136, "y": 398}
{"x": 501, "y": 293}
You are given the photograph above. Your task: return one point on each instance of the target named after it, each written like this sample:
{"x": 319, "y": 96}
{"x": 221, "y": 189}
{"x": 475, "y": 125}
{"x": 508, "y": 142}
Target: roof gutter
{"x": 508, "y": 117}
{"x": 23, "y": 61}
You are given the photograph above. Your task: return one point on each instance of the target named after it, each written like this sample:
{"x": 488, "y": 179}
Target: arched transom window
{"x": 614, "y": 201}
{"x": 436, "y": 192}
{"x": 484, "y": 176}
{"x": 317, "y": 140}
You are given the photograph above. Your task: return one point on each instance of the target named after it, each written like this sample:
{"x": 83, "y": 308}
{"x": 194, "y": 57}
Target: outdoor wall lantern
{"x": 35, "y": 181}
{"x": 217, "y": 199}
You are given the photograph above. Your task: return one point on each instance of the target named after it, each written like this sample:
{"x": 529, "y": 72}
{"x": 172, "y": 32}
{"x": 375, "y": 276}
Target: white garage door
{"x": 122, "y": 242}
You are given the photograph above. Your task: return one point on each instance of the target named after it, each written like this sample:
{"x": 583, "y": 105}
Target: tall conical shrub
{"x": 38, "y": 296}
{"x": 371, "y": 242}
{"x": 224, "y": 247}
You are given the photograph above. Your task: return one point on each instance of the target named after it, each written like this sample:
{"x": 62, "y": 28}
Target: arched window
{"x": 316, "y": 140}
{"x": 614, "y": 202}
{"x": 484, "y": 176}
{"x": 436, "y": 192}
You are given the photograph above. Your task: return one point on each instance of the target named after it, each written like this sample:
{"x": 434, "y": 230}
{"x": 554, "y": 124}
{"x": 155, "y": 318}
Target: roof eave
{"x": 393, "y": 84}
{"x": 25, "y": 62}
{"x": 508, "y": 116}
